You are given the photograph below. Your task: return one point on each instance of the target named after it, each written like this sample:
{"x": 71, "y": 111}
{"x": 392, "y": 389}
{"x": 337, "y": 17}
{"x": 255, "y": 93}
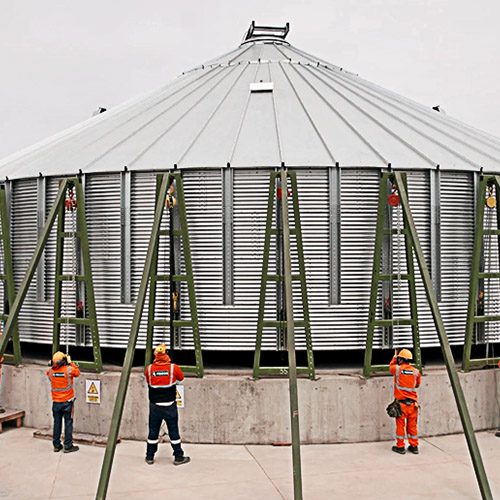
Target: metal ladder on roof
{"x": 478, "y": 317}
{"x": 383, "y": 276}
{"x": 178, "y": 242}
{"x": 7, "y": 278}
{"x": 275, "y": 194}
{"x": 81, "y": 296}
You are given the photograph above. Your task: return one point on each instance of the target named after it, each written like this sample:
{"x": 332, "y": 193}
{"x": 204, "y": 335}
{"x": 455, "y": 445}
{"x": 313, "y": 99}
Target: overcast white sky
{"x": 60, "y": 59}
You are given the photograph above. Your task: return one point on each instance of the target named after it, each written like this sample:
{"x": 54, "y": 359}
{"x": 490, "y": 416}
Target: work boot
{"x": 58, "y": 448}
{"x": 181, "y": 460}
{"x": 2, "y": 410}
{"x": 413, "y": 449}
{"x": 71, "y": 449}
{"x": 497, "y": 434}
{"x": 150, "y": 461}
{"x": 397, "y": 449}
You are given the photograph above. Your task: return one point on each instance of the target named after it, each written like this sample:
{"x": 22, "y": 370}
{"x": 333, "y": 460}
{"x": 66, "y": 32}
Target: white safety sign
{"x": 93, "y": 391}
{"x": 179, "y": 398}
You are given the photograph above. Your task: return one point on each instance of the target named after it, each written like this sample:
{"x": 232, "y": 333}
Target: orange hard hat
{"x": 405, "y": 353}
{"x": 161, "y": 349}
{"x": 58, "y": 356}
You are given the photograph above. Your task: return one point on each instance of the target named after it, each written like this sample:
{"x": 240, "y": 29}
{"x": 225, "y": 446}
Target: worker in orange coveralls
{"x": 406, "y": 383}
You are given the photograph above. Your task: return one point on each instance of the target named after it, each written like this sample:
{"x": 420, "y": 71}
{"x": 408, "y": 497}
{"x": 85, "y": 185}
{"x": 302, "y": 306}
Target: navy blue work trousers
{"x": 156, "y": 416}
{"x": 62, "y": 411}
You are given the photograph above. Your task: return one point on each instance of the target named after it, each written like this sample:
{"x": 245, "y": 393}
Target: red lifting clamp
{"x": 393, "y": 199}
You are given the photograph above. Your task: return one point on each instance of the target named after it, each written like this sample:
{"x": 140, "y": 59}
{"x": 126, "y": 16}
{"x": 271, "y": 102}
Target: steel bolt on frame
{"x": 35, "y": 259}
{"x": 385, "y": 231}
{"x": 475, "y": 317}
{"x": 280, "y": 324}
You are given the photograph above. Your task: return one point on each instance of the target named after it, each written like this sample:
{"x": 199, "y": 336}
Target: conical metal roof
{"x": 264, "y": 103}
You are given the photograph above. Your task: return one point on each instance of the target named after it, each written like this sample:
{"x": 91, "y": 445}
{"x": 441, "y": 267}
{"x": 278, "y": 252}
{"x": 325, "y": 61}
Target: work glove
{"x": 68, "y": 359}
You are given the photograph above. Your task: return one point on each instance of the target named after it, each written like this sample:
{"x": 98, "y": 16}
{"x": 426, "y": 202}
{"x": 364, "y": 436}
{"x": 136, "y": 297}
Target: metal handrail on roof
{"x": 266, "y": 31}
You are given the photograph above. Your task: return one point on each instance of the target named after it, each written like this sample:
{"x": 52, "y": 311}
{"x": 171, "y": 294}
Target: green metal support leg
{"x": 280, "y": 323}
{"x": 88, "y": 317}
{"x": 290, "y": 324}
{"x": 445, "y": 347}
{"x": 385, "y": 231}
{"x": 8, "y": 277}
{"x": 476, "y": 318}
{"x": 175, "y": 322}
{"x": 129, "y": 355}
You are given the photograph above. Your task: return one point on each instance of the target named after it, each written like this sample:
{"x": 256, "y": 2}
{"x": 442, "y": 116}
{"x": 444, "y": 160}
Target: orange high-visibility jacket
{"x": 161, "y": 377}
{"x": 61, "y": 380}
{"x": 406, "y": 380}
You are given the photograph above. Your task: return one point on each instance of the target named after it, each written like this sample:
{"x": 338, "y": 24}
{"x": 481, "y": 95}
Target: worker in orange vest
{"x": 61, "y": 375}
{"x": 162, "y": 377}
{"x": 406, "y": 383}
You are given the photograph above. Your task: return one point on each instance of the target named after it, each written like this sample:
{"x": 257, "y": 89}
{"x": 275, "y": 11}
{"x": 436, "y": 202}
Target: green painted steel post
{"x": 292, "y": 365}
{"x": 87, "y": 272}
{"x": 129, "y": 355}
{"x": 476, "y": 263}
{"x": 30, "y": 272}
{"x": 9, "y": 271}
{"x": 263, "y": 279}
{"x": 412, "y": 288}
{"x": 302, "y": 272}
{"x": 445, "y": 347}
{"x": 56, "y": 325}
{"x": 189, "y": 273}
{"x": 377, "y": 255}
{"x": 152, "y": 285}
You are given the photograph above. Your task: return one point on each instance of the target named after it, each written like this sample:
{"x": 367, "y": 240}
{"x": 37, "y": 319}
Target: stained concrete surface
{"x": 29, "y": 470}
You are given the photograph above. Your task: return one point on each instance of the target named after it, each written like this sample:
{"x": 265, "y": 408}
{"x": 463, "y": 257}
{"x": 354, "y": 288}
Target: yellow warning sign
{"x": 180, "y": 396}
{"x": 93, "y": 391}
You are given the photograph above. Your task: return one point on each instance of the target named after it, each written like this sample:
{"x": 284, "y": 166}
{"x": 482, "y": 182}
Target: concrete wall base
{"x": 231, "y": 408}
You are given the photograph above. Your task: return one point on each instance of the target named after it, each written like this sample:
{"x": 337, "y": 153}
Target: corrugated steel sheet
{"x": 317, "y": 114}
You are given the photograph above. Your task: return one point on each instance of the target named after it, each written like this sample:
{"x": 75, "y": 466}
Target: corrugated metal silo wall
{"x": 233, "y": 327}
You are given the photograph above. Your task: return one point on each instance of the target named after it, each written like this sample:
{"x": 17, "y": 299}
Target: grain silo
{"x": 225, "y": 126}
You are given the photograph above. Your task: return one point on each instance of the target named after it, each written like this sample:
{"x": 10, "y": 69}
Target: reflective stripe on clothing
{"x": 168, "y": 403}
{"x": 409, "y": 391}
{"x": 175, "y": 441}
{"x": 70, "y": 382}
{"x": 153, "y": 441}
{"x": 163, "y": 386}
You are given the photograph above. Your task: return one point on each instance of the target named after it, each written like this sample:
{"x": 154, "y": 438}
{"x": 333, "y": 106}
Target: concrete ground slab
{"x": 30, "y": 470}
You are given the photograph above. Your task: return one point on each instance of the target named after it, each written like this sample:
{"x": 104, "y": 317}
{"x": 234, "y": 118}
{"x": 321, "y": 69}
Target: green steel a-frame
{"x": 398, "y": 180}
{"x": 488, "y": 199}
{"x": 278, "y": 191}
{"x": 57, "y": 211}
{"x": 84, "y": 307}
{"x": 147, "y": 274}
{"x": 7, "y": 278}
{"x": 178, "y": 238}
{"x": 385, "y": 278}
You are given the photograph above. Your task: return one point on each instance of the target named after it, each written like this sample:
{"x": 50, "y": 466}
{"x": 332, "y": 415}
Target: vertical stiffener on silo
{"x": 178, "y": 240}
{"x": 7, "y": 277}
{"x": 277, "y": 191}
{"x": 484, "y": 310}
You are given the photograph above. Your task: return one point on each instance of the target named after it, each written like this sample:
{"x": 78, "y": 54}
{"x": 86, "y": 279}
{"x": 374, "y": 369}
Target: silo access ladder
{"x": 276, "y": 192}
{"x": 483, "y": 313}
{"x": 178, "y": 242}
{"x": 384, "y": 275}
